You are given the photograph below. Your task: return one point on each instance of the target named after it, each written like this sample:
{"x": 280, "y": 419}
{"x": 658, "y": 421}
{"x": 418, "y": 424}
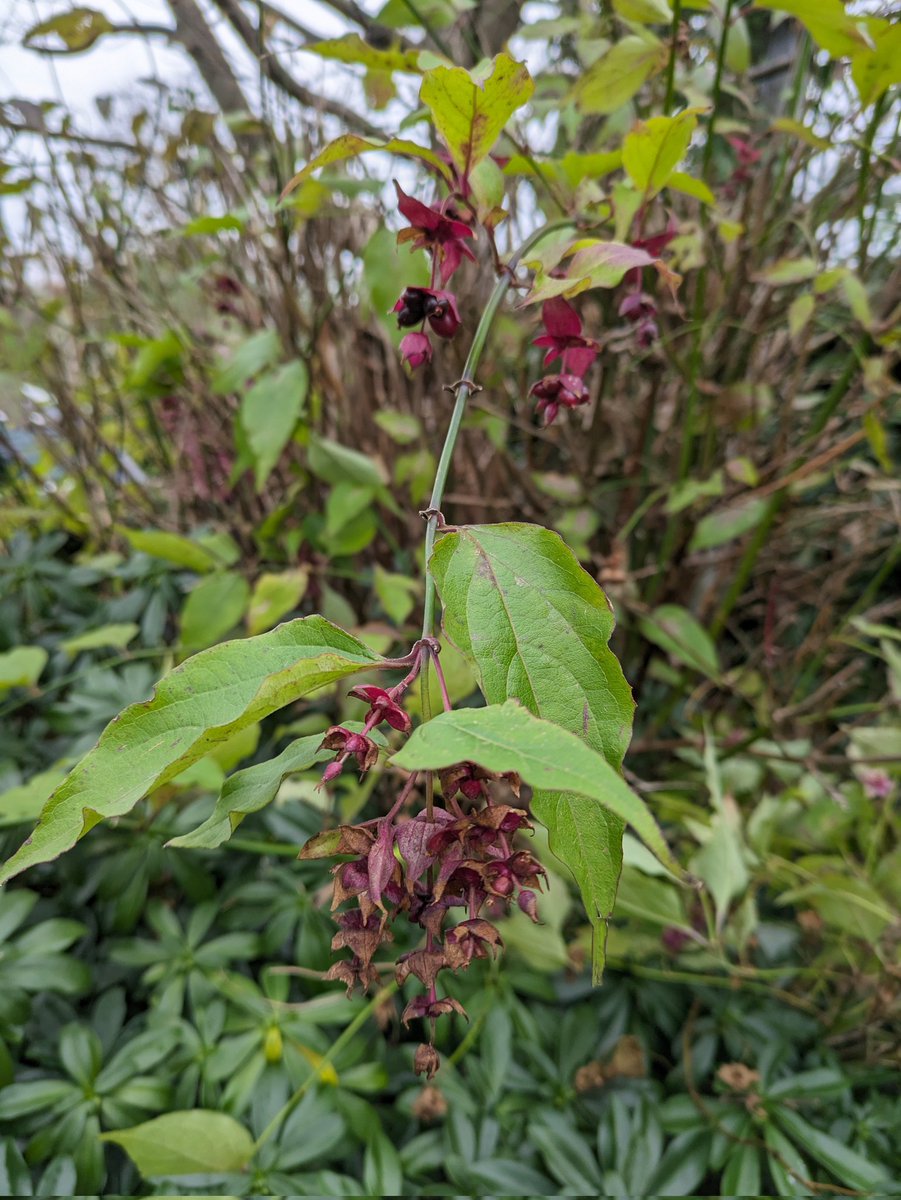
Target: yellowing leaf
{"x": 827, "y": 22}
{"x": 789, "y": 270}
{"x": 78, "y": 29}
{"x": 875, "y": 71}
{"x": 21, "y": 666}
{"x": 614, "y": 79}
{"x": 645, "y": 12}
{"x": 799, "y": 313}
{"x": 353, "y": 49}
{"x": 801, "y": 131}
{"x": 602, "y": 264}
{"x": 352, "y": 145}
{"x": 468, "y": 115}
{"x": 653, "y": 149}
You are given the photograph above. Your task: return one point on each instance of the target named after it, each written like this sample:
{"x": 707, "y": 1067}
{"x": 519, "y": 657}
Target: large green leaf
{"x": 506, "y": 737}
{"x": 185, "y": 1143}
{"x": 201, "y": 703}
{"x": 469, "y": 114}
{"x": 213, "y": 608}
{"x": 250, "y": 790}
{"x": 535, "y": 626}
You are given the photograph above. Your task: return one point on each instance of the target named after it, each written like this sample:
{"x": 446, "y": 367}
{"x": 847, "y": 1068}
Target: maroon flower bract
{"x": 433, "y": 230}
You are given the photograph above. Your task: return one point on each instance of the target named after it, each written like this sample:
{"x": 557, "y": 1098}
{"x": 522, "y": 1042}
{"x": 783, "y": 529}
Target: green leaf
{"x": 645, "y": 12}
{"x": 564, "y": 771}
{"x": 535, "y": 626}
{"x": 208, "y": 225}
{"x": 600, "y": 264}
{"x": 171, "y": 547}
{"x": 799, "y": 313}
{"x": 827, "y": 22}
{"x": 78, "y": 29}
{"x": 680, "y": 634}
{"x": 257, "y": 352}
{"x": 727, "y": 524}
{"x": 23, "y": 803}
{"x": 846, "y": 1164}
{"x": 213, "y": 608}
{"x": 689, "y": 186}
{"x": 250, "y": 790}
{"x": 397, "y": 594}
{"x": 335, "y": 463}
{"x": 352, "y": 49}
{"x": 654, "y": 148}
{"x": 201, "y": 703}
{"x": 351, "y": 145}
{"x": 117, "y": 636}
{"x": 274, "y": 596}
{"x": 786, "y": 1182}
{"x": 269, "y": 412}
{"x": 875, "y": 71}
{"x": 401, "y": 427}
{"x": 470, "y": 116}
{"x": 615, "y": 78}
{"x": 741, "y": 1176}
{"x": 22, "y": 666}
{"x": 789, "y": 270}
{"x": 185, "y": 1143}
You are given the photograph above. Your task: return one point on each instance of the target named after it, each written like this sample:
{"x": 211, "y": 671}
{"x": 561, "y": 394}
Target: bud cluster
{"x": 458, "y": 855}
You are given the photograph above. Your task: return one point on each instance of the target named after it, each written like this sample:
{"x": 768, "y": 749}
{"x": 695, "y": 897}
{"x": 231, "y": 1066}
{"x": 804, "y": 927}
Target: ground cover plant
{"x": 634, "y": 305}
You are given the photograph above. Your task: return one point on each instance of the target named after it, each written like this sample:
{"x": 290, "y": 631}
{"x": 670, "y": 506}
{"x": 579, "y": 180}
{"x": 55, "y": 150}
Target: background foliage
{"x": 207, "y": 430}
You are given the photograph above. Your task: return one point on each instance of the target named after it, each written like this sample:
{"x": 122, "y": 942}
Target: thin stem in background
{"x": 671, "y": 66}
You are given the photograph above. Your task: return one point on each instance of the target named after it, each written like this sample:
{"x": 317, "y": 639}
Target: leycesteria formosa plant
{"x": 452, "y": 851}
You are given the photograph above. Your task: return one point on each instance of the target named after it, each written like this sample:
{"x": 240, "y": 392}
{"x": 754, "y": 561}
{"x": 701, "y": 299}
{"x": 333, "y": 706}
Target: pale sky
{"x": 115, "y": 63}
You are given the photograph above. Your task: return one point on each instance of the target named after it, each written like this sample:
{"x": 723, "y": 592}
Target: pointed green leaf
{"x": 269, "y": 412}
{"x": 654, "y": 148}
{"x": 846, "y": 1164}
{"x": 250, "y": 790}
{"x": 614, "y": 79}
{"x": 470, "y": 116}
{"x": 600, "y": 264}
{"x": 117, "y": 636}
{"x": 827, "y": 22}
{"x": 680, "y": 634}
{"x": 171, "y": 547}
{"x": 78, "y": 29}
{"x": 201, "y": 703}
{"x": 535, "y": 626}
{"x": 185, "y": 1143}
{"x": 352, "y": 145}
{"x": 353, "y": 49}
{"x": 274, "y": 596}
{"x": 506, "y": 737}
{"x": 21, "y": 666}
{"x": 213, "y": 608}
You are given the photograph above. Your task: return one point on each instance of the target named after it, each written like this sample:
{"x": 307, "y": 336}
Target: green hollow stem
{"x": 463, "y": 392}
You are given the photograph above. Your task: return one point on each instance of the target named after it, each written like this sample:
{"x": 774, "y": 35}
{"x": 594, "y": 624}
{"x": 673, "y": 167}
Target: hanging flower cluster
{"x": 458, "y": 854}
{"x": 440, "y": 231}
{"x": 563, "y": 339}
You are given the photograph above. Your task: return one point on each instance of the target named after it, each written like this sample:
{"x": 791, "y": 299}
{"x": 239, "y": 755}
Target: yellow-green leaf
{"x": 614, "y": 79}
{"x": 274, "y": 596}
{"x": 352, "y": 145}
{"x": 195, "y": 1142}
{"x": 470, "y": 116}
{"x": 78, "y": 29}
{"x": 653, "y": 149}
{"x": 827, "y": 21}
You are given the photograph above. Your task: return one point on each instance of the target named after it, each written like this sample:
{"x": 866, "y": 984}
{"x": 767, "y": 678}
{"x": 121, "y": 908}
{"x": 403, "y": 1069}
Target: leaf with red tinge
{"x": 381, "y": 861}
